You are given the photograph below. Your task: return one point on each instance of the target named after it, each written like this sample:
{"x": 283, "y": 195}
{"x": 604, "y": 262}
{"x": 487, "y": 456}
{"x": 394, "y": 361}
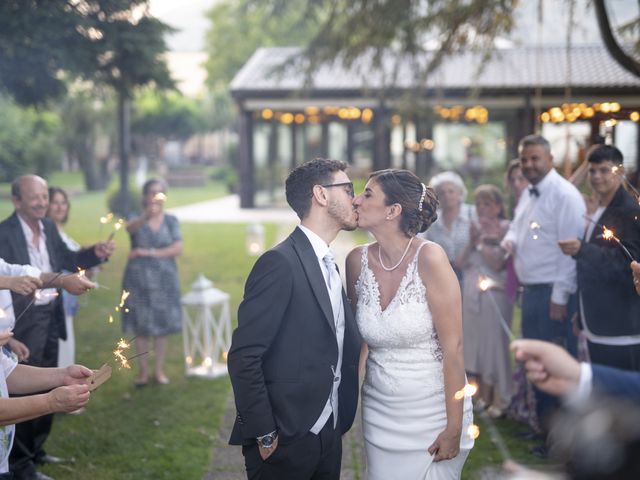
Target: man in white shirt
{"x": 551, "y": 209}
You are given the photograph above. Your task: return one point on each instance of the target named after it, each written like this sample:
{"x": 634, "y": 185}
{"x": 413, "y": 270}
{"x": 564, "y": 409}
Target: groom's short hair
{"x": 300, "y": 182}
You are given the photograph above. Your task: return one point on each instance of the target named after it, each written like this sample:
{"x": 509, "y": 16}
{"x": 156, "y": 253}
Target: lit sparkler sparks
{"x": 617, "y": 170}
{"x": 106, "y": 218}
{"x": 469, "y": 390}
{"x": 160, "y": 197}
{"x": 485, "y": 284}
{"x": 119, "y": 355}
{"x": 116, "y": 226}
{"x": 123, "y": 298}
{"x": 473, "y": 431}
{"x": 609, "y": 234}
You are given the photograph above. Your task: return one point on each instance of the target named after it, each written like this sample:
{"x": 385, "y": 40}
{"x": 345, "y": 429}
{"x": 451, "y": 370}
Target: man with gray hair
{"x": 552, "y": 209}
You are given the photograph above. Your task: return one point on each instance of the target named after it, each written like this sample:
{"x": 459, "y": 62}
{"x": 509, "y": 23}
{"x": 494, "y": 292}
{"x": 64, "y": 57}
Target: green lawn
{"x": 168, "y": 431}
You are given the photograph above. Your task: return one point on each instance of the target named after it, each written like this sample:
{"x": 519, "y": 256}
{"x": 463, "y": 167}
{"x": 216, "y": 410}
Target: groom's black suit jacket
{"x": 285, "y": 344}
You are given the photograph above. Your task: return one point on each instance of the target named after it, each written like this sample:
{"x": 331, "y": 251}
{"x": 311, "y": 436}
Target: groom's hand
{"x": 267, "y": 452}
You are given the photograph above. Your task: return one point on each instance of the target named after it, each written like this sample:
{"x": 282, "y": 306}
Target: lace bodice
{"x": 403, "y": 343}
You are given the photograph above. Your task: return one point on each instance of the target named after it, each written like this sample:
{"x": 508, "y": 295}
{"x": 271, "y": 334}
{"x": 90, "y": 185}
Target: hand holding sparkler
{"x": 22, "y": 285}
{"x": 68, "y": 398}
{"x": 76, "y": 375}
{"x": 549, "y": 367}
{"x": 570, "y": 247}
{"x": 76, "y": 283}
{"x": 20, "y": 349}
{"x": 104, "y": 250}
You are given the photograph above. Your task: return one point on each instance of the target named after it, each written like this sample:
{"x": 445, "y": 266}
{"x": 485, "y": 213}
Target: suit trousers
{"x": 42, "y": 333}
{"x": 312, "y": 457}
{"x": 536, "y": 323}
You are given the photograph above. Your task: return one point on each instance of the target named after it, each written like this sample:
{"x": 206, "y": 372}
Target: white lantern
{"x": 206, "y": 329}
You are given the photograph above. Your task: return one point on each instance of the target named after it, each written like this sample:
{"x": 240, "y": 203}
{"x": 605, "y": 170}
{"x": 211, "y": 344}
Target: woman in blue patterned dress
{"x": 152, "y": 309}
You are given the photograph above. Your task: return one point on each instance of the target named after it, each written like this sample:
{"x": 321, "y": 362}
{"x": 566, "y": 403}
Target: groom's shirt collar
{"x": 320, "y": 248}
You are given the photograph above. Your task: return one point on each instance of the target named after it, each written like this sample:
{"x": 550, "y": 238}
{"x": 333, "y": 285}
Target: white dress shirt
{"x": 39, "y": 258}
{"x": 556, "y": 214}
{"x": 320, "y": 248}
{"x": 7, "y": 317}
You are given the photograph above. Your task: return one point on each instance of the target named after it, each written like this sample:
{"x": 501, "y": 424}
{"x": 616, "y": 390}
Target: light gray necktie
{"x": 335, "y": 294}
{"x": 333, "y": 282}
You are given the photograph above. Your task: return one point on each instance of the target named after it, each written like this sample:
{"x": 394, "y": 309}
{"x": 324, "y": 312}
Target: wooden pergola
{"x": 515, "y": 87}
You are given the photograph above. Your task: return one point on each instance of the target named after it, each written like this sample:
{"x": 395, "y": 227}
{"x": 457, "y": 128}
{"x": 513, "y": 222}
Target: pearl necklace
{"x": 391, "y": 269}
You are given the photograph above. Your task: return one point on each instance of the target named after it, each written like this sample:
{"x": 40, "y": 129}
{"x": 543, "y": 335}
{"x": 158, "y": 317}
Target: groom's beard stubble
{"x": 346, "y": 218}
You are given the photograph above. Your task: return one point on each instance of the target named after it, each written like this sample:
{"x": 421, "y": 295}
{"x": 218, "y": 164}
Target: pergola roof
{"x": 522, "y": 68}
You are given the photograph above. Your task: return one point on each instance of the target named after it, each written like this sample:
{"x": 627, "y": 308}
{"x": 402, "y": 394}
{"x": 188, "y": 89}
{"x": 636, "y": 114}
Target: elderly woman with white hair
{"x": 451, "y": 230}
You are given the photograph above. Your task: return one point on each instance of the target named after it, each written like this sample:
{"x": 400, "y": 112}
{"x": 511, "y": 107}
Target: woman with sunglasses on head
{"x": 408, "y": 309}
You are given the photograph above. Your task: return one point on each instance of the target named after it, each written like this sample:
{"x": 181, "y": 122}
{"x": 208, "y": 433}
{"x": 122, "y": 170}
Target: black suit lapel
{"x": 608, "y": 215}
{"x": 309, "y": 261}
{"x": 18, "y": 242}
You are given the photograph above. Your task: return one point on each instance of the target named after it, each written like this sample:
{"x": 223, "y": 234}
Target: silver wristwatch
{"x": 266, "y": 441}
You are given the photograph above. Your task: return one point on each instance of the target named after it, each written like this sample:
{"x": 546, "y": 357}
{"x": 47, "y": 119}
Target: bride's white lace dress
{"x": 403, "y": 400}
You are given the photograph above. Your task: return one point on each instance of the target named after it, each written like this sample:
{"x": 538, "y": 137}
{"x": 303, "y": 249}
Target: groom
{"x": 294, "y": 357}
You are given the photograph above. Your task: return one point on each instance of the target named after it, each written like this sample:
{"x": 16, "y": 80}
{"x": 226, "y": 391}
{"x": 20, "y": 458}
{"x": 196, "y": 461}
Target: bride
{"x": 408, "y": 309}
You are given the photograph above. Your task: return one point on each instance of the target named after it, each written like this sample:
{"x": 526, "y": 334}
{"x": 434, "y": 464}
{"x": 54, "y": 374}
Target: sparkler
{"x": 116, "y": 226}
{"x": 485, "y": 283}
{"x": 608, "y": 234}
{"x": 121, "y": 346}
{"x": 617, "y": 171}
{"x": 37, "y": 295}
{"x": 123, "y": 298}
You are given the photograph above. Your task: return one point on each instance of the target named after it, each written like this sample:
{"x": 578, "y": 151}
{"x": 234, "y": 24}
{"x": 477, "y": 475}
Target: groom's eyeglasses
{"x": 349, "y": 188}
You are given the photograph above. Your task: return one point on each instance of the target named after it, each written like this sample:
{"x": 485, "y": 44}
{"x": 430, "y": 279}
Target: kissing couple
{"x": 294, "y": 358}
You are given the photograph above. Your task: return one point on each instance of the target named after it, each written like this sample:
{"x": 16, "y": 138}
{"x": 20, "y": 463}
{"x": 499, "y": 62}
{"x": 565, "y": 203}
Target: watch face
{"x": 266, "y": 441}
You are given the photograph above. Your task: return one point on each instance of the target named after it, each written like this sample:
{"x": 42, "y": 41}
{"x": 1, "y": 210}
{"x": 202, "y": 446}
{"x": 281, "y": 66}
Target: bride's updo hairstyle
{"x": 419, "y": 202}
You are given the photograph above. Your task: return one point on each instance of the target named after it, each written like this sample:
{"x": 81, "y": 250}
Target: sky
{"x": 188, "y": 16}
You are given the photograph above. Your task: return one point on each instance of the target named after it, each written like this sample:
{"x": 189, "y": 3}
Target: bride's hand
{"x": 446, "y": 446}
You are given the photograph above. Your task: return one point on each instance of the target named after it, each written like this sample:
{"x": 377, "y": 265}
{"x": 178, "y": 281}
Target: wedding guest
{"x": 556, "y": 372}
{"x": 151, "y": 277}
{"x": 597, "y": 436}
{"x": 28, "y": 238}
{"x": 59, "y": 212}
{"x": 550, "y": 210}
{"x": 516, "y": 183}
{"x": 66, "y": 389}
{"x": 609, "y": 307}
{"x": 486, "y": 311}
{"x": 451, "y": 229}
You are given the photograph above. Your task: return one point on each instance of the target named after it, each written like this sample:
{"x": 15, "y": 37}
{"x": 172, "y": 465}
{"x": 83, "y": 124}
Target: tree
{"x": 160, "y": 116}
{"x": 608, "y": 33}
{"x": 28, "y": 140}
{"x": 87, "y": 112}
{"x": 237, "y": 29}
{"x": 110, "y": 42}
{"x": 418, "y": 29}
